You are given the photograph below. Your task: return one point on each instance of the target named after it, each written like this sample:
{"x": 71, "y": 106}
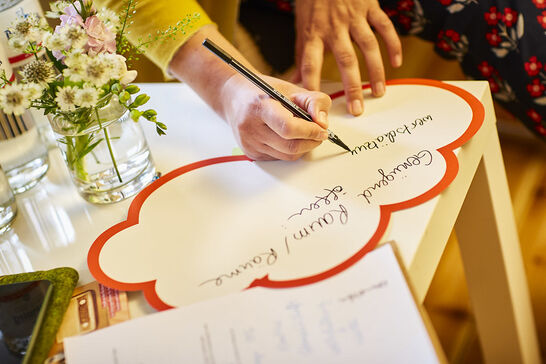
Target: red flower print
{"x": 493, "y": 16}
{"x": 493, "y": 38}
{"x": 445, "y": 2}
{"x": 404, "y": 21}
{"x": 541, "y": 130}
{"x": 486, "y": 69}
{"x": 493, "y": 85}
{"x": 284, "y": 5}
{"x": 390, "y": 12}
{"x": 510, "y": 17}
{"x": 533, "y": 67}
{"x": 542, "y": 19}
{"x": 405, "y": 5}
{"x": 453, "y": 35}
{"x": 541, "y": 4}
{"x": 443, "y": 45}
{"x": 535, "y": 88}
{"x": 534, "y": 115}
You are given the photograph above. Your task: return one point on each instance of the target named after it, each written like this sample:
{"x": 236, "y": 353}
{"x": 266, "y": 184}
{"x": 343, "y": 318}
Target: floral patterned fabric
{"x": 501, "y": 41}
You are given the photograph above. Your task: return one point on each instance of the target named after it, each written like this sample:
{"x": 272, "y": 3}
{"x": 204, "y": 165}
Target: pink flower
{"x": 101, "y": 39}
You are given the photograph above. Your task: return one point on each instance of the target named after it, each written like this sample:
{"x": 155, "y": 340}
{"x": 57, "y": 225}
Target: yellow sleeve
{"x": 157, "y": 15}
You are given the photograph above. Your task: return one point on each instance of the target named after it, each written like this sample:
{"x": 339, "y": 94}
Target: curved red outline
{"x": 452, "y": 168}
{"x": 148, "y": 288}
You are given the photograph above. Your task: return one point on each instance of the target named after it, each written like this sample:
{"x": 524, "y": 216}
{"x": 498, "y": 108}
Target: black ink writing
{"x": 391, "y": 136}
{"x": 329, "y": 218}
{"x": 267, "y": 258}
{"x": 424, "y": 157}
{"x": 331, "y": 195}
{"x": 353, "y": 296}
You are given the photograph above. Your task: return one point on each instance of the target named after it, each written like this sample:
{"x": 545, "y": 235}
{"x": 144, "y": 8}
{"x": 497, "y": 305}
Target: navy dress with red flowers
{"x": 501, "y": 41}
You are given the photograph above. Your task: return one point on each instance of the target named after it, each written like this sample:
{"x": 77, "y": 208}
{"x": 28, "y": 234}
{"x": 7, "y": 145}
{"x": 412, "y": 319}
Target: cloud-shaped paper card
{"x": 221, "y": 225}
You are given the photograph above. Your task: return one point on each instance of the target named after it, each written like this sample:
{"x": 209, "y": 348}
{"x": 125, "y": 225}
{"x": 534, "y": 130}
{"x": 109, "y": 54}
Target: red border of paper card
{"x": 452, "y": 167}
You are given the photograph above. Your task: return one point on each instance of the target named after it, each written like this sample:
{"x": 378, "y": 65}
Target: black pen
{"x": 265, "y": 87}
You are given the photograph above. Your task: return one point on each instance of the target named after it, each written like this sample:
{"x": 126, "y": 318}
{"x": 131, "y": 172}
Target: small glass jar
{"x": 108, "y": 159}
{"x": 8, "y": 208}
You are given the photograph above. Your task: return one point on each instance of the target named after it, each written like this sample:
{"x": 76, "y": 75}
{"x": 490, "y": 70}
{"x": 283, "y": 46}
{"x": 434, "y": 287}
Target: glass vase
{"x": 106, "y": 153}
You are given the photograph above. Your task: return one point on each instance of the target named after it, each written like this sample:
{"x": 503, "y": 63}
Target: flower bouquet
{"x": 82, "y": 83}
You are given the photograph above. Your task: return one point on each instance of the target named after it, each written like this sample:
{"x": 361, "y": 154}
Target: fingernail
{"x": 356, "y": 107}
{"x": 397, "y": 60}
{"x": 379, "y": 89}
{"x": 322, "y": 116}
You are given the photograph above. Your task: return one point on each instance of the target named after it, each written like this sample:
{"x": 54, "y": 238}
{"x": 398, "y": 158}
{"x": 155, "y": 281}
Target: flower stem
{"x": 107, "y": 137}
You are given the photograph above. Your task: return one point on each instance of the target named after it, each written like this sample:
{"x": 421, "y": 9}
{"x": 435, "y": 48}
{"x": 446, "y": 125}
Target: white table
{"x": 55, "y": 227}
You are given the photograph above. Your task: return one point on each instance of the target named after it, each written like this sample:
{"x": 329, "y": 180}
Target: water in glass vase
{"x": 107, "y": 160}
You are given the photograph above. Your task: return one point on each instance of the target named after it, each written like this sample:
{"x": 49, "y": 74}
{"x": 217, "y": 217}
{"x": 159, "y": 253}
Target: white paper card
{"x": 365, "y": 314}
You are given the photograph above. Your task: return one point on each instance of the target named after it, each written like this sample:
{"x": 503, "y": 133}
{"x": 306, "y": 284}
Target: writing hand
{"x": 331, "y": 25}
{"x": 264, "y": 129}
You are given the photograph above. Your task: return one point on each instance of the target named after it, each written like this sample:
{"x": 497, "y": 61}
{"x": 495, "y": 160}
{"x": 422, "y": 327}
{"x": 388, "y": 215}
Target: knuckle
{"x": 346, "y": 59}
{"x": 353, "y": 89}
{"x": 285, "y": 128}
{"x": 293, "y": 146}
{"x": 383, "y": 21}
{"x": 307, "y": 67}
{"x": 369, "y": 41}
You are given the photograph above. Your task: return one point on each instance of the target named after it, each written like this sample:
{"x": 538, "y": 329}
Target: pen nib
{"x": 335, "y": 139}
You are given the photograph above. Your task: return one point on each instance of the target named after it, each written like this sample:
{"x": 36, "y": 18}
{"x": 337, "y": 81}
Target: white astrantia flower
{"x": 96, "y": 71}
{"x": 75, "y": 63}
{"x": 14, "y": 99}
{"x": 87, "y": 96}
{"x": 28, "y": 28}
{"x": 109, "y": 18}
{"x": 74, "y": 36}
{"x": 38, "y": 71}
{"x": 55, "y": 42}
{"x": 57, "y": 8}
{"x": 33, "y": 90}
{"x": 118, "y": 68}
{"x": 66, "y": 98}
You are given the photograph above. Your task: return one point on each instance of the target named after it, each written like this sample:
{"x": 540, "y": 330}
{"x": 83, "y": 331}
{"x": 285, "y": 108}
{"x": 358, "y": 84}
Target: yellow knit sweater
{"x": 156, "y": 15}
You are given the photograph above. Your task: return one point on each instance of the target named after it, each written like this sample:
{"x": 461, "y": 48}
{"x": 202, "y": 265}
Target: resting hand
{"x": 332, "y": 24}
{"x": 266, "y": 130}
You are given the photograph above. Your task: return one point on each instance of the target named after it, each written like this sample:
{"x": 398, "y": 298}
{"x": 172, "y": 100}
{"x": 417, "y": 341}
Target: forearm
{"x": 203, "y": 71}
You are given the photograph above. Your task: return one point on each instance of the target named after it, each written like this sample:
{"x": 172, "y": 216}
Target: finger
{"x": 383, "y": 25}
{"x": 367, "y": 42}
{"x": 287, "y": 126}
{"x": 347, "y": 63}
{"x": 311, "y": 63}
{"x": 288, "y": 149}
{"x": 317, "y": 104}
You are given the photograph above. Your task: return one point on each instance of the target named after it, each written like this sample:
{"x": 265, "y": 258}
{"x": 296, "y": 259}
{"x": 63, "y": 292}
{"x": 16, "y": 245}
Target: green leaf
{"x": 58, "y": 65}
